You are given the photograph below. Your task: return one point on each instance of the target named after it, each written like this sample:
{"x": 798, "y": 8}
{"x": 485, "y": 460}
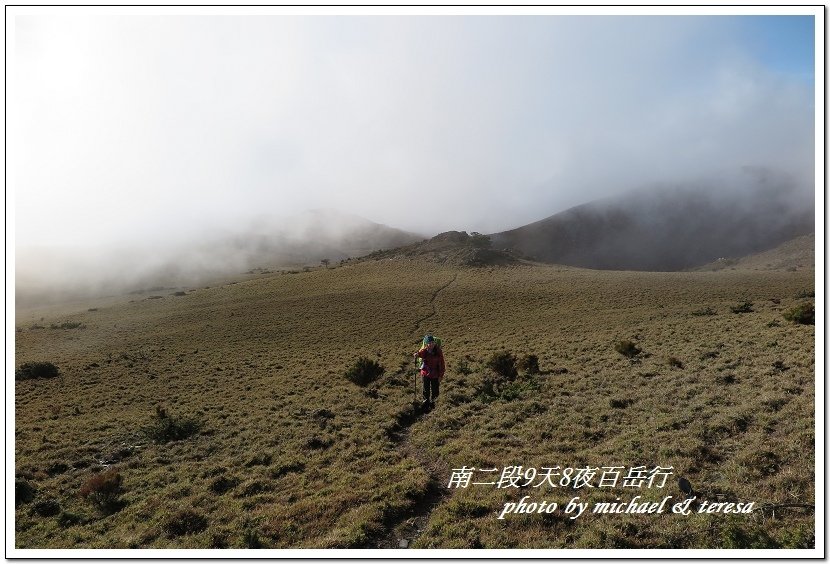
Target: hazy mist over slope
{"x": 673, "y": 227}
{"x": 134, "y": 136}
{"x": 46, "y": 274}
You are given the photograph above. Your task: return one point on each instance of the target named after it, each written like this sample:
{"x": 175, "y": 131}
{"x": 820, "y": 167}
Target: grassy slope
{"x": 293, "y": 455}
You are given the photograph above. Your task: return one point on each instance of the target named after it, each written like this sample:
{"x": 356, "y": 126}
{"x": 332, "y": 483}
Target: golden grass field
{"x": 289, "y": 453}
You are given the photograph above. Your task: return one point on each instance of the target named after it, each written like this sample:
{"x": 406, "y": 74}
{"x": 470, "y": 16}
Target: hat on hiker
{"x": 429, "y": 339}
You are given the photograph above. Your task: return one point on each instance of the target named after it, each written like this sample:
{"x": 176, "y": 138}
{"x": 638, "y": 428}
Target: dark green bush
{"x": 779, "y": 366}
{"x": 364, "y": 371}
{"x": 185, "y": 522}
{"x": 68, "y": 325}
{"x": 494, "y": 387}
{"x": 164, "y": 428}
{"x": 218, "y": 540}
{"x": 47, "y": 507}
{"x": 24, "y": 492}
{"x": 487, "y": 390}
{"x": 675, "y": 362}
{"x": 223, "y": 484}
{"x": 67, "y": 519}
{"x": 287, "y": 467}
{"x": 620, "y": 403}
{"x": 745, "y": 307}
{"x": 515, "y": 390}
{"x": 34, "y": 370}
{"x": 627, "y": 349}
{"x": 503, "y": 364}
{"x": 529, "y": 364}
{"x": 804, "y": 314}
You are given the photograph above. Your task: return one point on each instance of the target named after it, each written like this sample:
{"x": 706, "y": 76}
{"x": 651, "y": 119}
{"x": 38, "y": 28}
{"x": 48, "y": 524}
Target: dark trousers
{"x": 430, "y": 386}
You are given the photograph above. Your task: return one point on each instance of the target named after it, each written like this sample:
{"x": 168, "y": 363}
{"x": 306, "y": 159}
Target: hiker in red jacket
{"x": 432, "y": 370}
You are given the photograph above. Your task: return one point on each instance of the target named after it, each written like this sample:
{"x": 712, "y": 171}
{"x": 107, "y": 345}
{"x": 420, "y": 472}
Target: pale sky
{"x": 146, "y": 128}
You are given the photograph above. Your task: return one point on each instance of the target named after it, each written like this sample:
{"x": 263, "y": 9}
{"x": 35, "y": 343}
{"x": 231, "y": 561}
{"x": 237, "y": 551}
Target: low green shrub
{"x": 628, "y": 349}
{"x": 68, "y": 325}
{"x": 364, "y": 371}
{"x": 47, "y": 508}
{"x": 164, "y": 428}
{"x": 67, "y": 519}
{"x": 745, "y": 307}
{"x": 503, "y": 364}
{"x": 494, "y": 387}
{"x": 529, "y": 364}
{"x": 518, "y": 389}
{"x": 24, "y": 492}
{"x": 223, "y": 484}
{"x": 184, "y": 522}
{"x": 621, "y": 403}
{"x": 803, "y": 314}
{"x": 36, "y": 370}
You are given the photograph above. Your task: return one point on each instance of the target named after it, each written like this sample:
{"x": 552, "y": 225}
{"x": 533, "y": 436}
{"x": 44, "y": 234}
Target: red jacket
{"x": 433, "y": 363}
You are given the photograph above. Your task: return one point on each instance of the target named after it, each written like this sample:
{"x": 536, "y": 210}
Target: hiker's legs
{"x": 430, "y": 389}
{"x": 426, "y": 388}
{"x": 433, "y": 384}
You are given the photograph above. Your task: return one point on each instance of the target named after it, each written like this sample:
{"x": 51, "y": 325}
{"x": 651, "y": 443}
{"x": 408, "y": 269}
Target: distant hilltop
{"x": 670, "y": 228}
{"x": 456, "y": 248}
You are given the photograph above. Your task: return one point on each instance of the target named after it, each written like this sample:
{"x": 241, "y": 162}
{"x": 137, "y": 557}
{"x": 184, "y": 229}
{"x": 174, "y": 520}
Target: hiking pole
{"x": 415, "y": 397}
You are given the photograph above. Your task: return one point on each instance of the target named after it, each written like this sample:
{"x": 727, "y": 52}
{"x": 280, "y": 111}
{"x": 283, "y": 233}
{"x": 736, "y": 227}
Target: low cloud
{"x": 146, "y": 132}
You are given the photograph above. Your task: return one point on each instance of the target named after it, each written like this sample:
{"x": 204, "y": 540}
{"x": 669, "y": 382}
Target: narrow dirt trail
{"x": 406, "y": 528}
{"x": 417, "y": 328}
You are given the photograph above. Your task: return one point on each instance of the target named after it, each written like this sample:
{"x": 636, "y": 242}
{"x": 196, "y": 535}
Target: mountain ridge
{"x": 666, "y": 228}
